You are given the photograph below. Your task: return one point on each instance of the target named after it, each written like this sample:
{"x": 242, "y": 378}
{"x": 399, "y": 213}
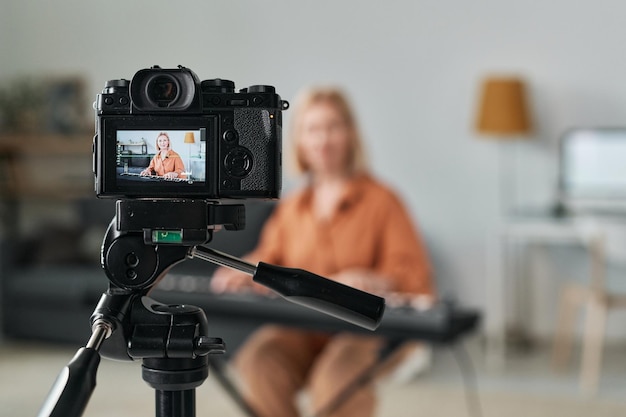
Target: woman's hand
{"x": 170, "y": 175}
{"x": 145, "y": 172}
{"x": 228, "y": 280}
{"x": 369, "y": 281}
{"x": 364, "y": 280}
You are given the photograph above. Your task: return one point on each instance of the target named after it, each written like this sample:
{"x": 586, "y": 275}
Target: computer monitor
{"x": 593, "y": 169}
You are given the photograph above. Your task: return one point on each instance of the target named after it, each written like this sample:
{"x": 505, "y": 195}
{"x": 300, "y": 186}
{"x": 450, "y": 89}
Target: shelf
{"x": 51, "y": 167}
{"x": 124, "y": 145}
{"x": 39, "y": 144}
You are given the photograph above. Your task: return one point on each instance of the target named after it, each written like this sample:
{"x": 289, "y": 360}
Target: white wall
{"x": 412, "y": 68}
{"x": 5, "y": 51}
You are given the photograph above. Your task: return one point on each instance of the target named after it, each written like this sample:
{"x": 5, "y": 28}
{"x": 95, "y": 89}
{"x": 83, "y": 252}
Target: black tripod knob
{"x": 208, "y": 345}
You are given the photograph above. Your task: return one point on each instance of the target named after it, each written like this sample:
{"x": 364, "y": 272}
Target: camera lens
{"x": 162, "y": 90}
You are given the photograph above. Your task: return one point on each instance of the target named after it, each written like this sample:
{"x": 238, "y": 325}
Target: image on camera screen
{"x": 176, "y": 156}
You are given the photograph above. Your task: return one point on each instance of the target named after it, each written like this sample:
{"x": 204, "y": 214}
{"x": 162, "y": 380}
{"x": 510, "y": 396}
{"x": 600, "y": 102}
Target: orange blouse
{"x": 172, "y": 163}
{"x": 371, "y": 230}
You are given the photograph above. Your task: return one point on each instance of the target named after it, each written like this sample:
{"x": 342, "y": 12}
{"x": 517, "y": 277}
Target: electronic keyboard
{"x": 442, "y": 322}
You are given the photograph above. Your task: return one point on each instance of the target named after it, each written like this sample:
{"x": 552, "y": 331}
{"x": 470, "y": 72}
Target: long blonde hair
{"x": 357, "y": 161}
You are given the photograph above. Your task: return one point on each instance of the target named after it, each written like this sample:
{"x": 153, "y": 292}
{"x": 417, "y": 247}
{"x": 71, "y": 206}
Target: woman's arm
{"x": 403, "y": 255}
{"x": 179, "y": 166}
{"x": 150, "y": 169}
{"x": 174, "y": 166}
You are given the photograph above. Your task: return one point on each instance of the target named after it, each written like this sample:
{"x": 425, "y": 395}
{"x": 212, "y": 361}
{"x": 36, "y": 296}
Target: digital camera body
{"x": 222, "y": 144}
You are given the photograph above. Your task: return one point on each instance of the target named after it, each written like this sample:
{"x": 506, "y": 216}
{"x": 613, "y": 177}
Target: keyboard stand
{"x": 219, "y": 371}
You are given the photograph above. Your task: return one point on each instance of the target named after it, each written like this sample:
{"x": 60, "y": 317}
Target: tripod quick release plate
{"x": 178, "y": 222}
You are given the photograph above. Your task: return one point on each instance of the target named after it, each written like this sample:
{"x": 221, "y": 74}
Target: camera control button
{"x": 238, "y": 102}
{"x": 230, "y": 136}
{"x": 123, "y": 101}
{"x": 257, "y": 100}
{"x": 261, "y": 89}
{"x": 108, "y": 101}
{"x": 238, "y": 162}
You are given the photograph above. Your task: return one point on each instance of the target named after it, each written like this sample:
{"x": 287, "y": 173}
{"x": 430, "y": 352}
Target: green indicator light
{"x": 167, "y": 236}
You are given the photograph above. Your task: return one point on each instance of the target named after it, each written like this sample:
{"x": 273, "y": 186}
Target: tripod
{"x": 144, "y": 240}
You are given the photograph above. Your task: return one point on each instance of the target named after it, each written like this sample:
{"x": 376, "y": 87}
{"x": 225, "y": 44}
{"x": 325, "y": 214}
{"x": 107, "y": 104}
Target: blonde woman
{"x": 166, "y": 163}
{"x": 344, "y": 225}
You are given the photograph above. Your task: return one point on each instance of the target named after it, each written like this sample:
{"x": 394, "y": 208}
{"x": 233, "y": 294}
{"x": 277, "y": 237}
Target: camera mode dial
{"x": 117, "y": 83}
{"x": 113, "y": 86}
{"x": 260, "y": 89}
{"x": 218, "y": 85}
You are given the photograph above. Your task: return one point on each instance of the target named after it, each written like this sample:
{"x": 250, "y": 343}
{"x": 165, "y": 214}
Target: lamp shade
{"x": 189, "y": 138}
{"x": 503, "y": 110}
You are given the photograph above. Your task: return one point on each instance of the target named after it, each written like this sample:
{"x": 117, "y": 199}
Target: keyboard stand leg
{"x": 218, "y": 369}
{"x": 366, "y": 376}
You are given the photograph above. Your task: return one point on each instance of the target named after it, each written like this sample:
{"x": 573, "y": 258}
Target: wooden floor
{"x": 527, "y": 387}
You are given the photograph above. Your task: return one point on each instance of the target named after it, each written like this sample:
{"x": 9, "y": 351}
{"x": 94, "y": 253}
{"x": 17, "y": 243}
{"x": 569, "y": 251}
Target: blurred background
{"x": 416, "y": 72}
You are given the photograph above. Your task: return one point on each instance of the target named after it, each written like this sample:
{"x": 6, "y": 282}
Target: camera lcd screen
{"x": 176, "y": 156}
{"x": 147, "y": 156}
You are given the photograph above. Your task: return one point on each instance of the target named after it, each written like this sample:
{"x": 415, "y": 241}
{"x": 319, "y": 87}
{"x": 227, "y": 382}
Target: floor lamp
{"x": 189, "y": 140}
{"x": 503, "y": 116}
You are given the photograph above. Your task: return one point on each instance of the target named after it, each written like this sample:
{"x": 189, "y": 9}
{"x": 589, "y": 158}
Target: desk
{"x": 505, "y": 265}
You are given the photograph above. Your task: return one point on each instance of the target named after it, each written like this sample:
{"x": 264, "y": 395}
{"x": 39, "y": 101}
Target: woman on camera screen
{"x": 344, "y": 225}
{"x": 166, "y": 163}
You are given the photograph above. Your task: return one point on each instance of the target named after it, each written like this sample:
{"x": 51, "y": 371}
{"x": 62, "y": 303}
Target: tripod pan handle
{"x": 322, "y": 294}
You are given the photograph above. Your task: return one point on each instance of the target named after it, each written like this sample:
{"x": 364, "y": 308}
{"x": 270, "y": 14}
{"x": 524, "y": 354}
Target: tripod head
{"x": 144, "y": 240}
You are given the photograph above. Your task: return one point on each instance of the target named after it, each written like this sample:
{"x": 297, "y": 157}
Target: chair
{"x": 607, "y": 244}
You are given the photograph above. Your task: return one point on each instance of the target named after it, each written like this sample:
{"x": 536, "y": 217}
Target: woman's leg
{"x": 273, "y": 364}
{"x": 343, "y": 359}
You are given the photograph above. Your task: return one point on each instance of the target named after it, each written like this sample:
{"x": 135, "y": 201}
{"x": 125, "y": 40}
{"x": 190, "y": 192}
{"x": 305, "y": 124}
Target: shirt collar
{"x": 355, "y": 189}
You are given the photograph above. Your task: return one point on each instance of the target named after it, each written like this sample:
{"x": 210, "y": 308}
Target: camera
{"x": 166, "y": 134}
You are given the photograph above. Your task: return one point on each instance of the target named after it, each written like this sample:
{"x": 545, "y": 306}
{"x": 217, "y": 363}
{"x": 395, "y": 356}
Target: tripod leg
{"x": 75, "y": 384}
